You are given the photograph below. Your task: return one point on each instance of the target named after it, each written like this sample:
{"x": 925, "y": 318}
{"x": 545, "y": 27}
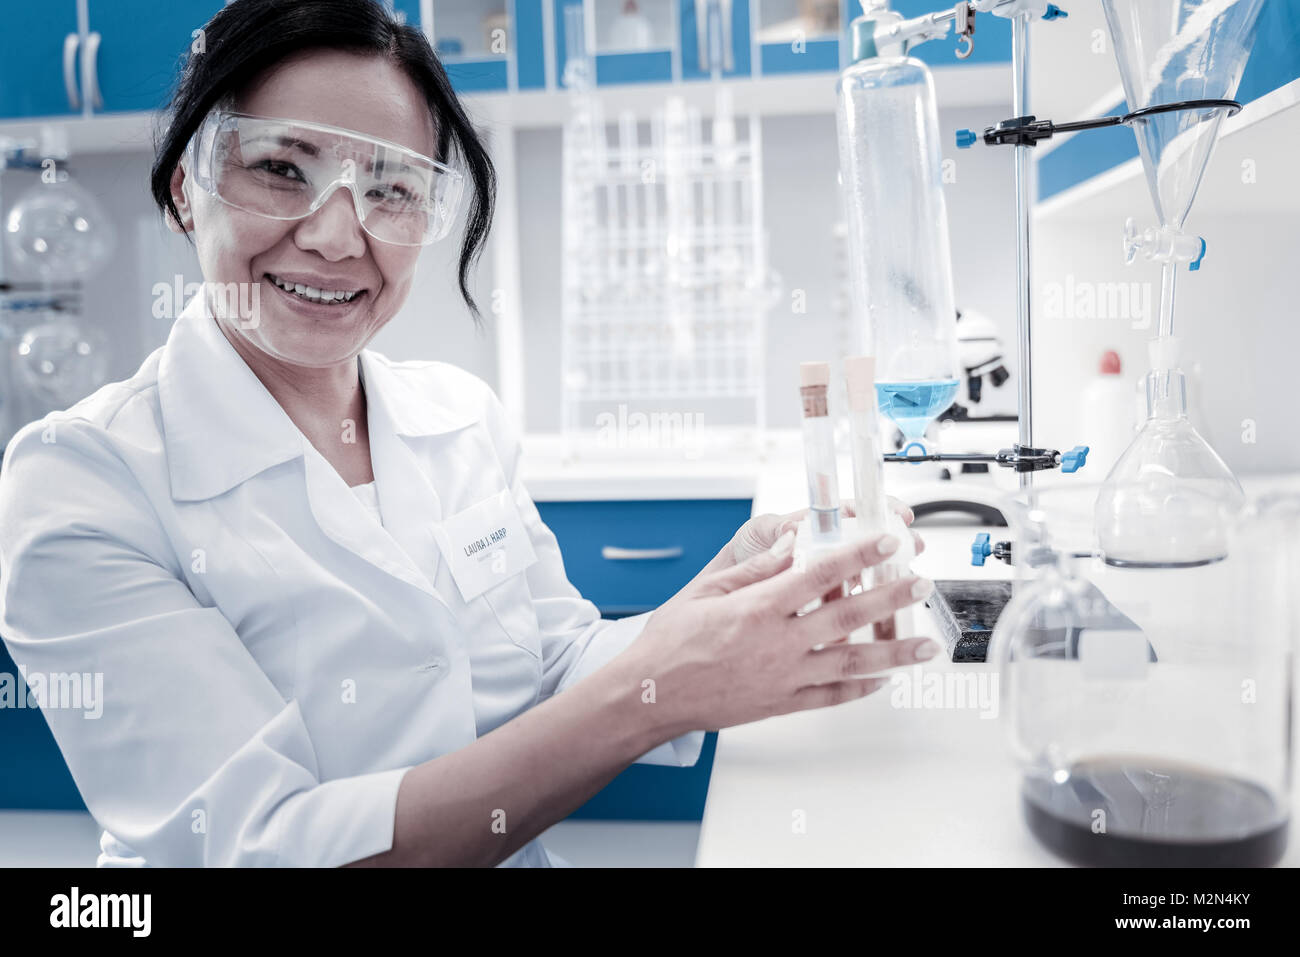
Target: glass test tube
{"x": 869, "y": 484}
{"x": 819, "y": 453}
{"x": 819, "y": 460}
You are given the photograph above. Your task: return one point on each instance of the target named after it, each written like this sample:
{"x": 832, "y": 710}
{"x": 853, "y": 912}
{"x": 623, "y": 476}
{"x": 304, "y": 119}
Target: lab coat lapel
{"x": 399, "y": 416}
{"x": 343, "y": 518}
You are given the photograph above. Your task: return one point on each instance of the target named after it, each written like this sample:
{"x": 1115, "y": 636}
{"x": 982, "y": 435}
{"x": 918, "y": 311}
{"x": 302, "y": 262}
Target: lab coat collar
{"x": 222, "y": 426}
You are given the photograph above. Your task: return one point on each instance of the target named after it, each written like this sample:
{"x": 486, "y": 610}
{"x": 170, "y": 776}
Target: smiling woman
{"x": 331, "y": 624}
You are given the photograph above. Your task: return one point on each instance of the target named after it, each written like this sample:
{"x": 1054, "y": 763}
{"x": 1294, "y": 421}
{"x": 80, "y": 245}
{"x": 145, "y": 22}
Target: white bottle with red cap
{"x": 1108, "y": 419}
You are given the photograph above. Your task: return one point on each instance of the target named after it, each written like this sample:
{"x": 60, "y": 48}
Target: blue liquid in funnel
{"x": 913, "y": 405}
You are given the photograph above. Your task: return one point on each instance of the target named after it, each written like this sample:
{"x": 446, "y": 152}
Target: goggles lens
{"x": 285, "y": 169}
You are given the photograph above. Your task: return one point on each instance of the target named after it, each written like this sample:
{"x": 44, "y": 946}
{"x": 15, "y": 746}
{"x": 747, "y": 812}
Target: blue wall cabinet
{"x": 796, "y": 37}
{"x": 627, "y": 49}
{"x": 475, "y": 40}
{"x": 126, "y": 60}
{"x": 629, "y": 557}
{"x": 33, "y": 43}
{"x": 141, "y": 49}
{"x": 694, "y": 41}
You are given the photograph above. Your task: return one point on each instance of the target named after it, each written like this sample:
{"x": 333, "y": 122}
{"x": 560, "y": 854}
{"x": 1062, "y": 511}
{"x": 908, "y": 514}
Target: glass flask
{"x": 1150, "y": 708}
{"x": 900, "y": 263}
{"x": 60, "y": 362}
{"x": 58, "y": 231}
{"x": 1157, "y": 507}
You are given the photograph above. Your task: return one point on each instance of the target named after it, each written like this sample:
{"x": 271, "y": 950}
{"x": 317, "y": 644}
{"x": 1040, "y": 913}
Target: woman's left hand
{"x": 761, "y": 532}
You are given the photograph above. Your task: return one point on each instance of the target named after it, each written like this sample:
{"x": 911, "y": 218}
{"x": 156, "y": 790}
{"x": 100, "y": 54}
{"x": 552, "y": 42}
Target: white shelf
{"x": 1265, "y": 132}
{"x": 955, "y": 86}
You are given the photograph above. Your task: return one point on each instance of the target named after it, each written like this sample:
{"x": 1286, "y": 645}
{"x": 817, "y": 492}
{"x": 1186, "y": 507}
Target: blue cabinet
{"x": 694, "y": 41}
{"x": 34, "y": 40}
{"x": 629, "y": 557}
{"x": 126, "y": 60}
{"x": 141, "y": 49}
{"x": 475, "y": 40}
{"x": 802, "y": 37}
{"x": 34, "y": 775}
{"x": 628, "y": 49}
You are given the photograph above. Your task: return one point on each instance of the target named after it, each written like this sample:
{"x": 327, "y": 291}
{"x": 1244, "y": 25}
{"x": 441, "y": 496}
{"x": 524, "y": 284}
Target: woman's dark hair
{"x": 248, "y": 37}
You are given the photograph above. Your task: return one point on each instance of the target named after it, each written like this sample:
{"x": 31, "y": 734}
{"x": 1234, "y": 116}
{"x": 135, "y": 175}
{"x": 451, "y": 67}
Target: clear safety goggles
{"x": 287, "y": 169}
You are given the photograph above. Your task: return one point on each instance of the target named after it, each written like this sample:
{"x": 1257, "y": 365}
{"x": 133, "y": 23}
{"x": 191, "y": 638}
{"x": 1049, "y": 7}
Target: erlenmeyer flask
{"x": 1158, "y": 504}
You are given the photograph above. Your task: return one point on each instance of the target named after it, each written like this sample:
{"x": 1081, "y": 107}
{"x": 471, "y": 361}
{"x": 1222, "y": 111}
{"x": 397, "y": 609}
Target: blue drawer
{"x": 627, "y": 586}
{"x": 32, "y": 773}
{"x": 630, "y": 557}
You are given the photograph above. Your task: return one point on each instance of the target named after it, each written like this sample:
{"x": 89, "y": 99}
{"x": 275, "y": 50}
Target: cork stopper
{"x": 860, "y": 381}
{"x": 814, "y": 374}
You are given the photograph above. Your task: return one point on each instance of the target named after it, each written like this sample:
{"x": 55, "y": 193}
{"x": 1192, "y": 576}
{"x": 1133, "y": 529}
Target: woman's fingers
{"x": 756, "y": 568}
{"x": 847, "y": 615}
{"x": 845, "y": 662}
{"x": 827, "y": 695}
{"x": 904, "y": 511}
{"x": 796, "y": 586}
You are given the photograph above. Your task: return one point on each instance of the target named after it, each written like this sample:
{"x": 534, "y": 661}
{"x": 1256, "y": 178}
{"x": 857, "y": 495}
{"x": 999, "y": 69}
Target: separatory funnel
{"x": 900, "y": 261}
{"x": 1180, "y": 62}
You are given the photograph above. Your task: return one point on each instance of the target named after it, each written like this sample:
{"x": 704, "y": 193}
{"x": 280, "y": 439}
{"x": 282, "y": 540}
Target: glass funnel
{"x": 1170, "y": 51}
{"x": 1150, "y": 708}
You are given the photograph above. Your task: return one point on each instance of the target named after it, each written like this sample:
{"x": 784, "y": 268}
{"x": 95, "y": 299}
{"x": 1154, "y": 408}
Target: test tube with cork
{"x": 819, "y": 460}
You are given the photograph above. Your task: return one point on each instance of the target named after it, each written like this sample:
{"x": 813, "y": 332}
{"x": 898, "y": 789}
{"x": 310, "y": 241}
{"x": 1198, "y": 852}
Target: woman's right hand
{"x": 729, "y": 648}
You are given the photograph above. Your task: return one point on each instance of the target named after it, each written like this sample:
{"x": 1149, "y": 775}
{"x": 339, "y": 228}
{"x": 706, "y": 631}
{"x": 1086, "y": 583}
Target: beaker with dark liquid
{"x": 1126, "y": 812}
{"x": 1150, "y": 707}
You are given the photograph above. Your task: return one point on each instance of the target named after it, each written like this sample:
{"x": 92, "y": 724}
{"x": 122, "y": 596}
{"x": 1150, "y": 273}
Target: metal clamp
{"x": 964, "y": 27}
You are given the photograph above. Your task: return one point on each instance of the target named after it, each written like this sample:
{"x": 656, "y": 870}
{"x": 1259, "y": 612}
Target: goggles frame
{"x": 202, "y": 162}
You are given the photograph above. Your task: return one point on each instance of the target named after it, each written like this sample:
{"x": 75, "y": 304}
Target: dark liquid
{"x": 1156, "y": 815}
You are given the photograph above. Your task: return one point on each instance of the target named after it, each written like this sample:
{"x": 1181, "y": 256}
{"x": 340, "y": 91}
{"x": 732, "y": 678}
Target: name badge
{"x": 485, "y": 544}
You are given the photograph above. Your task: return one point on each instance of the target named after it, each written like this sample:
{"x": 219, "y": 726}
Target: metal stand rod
{"x": 1020, "y": 107}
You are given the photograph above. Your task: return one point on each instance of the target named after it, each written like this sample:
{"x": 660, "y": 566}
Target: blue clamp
{"x": 907, "y": 452}
{"x": 966, "y": 139}
{"x": 1195, "y": 264}
{"x": 1074, "y": 459}
{"x": 981, "y": 549}
{"x": 1054, "y": 12}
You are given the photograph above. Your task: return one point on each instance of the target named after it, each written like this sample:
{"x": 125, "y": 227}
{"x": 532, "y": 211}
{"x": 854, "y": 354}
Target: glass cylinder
{"x": 1150, "y": 707}
{"x": 900, "y": 264}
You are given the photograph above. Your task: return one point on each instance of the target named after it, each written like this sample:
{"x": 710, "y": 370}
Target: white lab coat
{"x": 273, "y": 659}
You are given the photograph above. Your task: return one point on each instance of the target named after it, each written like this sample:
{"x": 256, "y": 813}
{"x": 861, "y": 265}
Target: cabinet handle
{"x": 614, "y": 554}
{"x": 69, "y": 70}
{"x": 704, "y": 35}
{"x": 90, "y": 71}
